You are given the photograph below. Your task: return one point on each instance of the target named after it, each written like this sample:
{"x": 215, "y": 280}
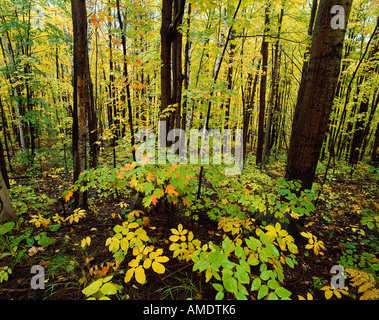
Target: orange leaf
{"x": 69, "y": 195}
{"x": 154, "y": 199}
{"x": 150, "y": 177}
{"x": 171, "y": 191}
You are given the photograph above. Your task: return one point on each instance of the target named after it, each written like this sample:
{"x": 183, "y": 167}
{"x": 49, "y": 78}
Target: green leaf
{"x": 253, "y": 243}
{"x": 227, "y": 245}
{"x": 109, "y": 288}
{"x": 93, "y": 287}
{"x": 256, "y": 284}
{"x": 289, "y": 262}
{"x": 263, "y": 290}
{"x": 230, "y": 283}
{"x": 240, "y": 252}
{"x": 282, "y": 292}
{"x": 273, "y": 284}
{"x": 253, "y": 261}
{"x": 6, "y": 227}
{"x": 263, "y": 255}
{"x": 45, "y": 241}
{"x": 273, "y": 250}
{"x": 265, "y": 275}
{"x": 242, "y": 275}
{"x": 219, "y": 295}
{"x": 272, "y": 296}
{"x": 54, "y": 227}
{"x": 218, "y": 287}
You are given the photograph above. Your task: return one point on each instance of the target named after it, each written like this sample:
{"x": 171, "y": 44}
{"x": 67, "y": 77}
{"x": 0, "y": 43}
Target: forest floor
{"x": 337, "y": 221}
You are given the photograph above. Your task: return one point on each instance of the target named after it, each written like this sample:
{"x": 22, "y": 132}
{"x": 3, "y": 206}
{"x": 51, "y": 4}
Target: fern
{"x": 366, "y": 284}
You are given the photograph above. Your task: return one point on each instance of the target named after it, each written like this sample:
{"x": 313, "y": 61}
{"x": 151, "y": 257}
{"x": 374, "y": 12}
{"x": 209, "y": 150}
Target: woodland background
{"x": 78, "y": 79}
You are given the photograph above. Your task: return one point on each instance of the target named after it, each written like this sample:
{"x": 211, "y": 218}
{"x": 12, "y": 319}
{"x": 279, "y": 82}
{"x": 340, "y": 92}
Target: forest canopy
{"x": 187, "y": 149}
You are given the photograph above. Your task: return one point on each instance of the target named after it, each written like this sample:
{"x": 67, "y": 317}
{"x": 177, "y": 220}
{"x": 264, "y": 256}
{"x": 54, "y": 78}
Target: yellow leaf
{"x": 174, "y": 238}
{"x": 129, "y": 275}
{"x": 300, "y": 297}
{"x": 140, "y": 274}
{"x": 158, "y": 267}
{"x": 162, "y": 259}
{"x": 309, "y": 296}
{"x": 124, "y": 243}
{"x": 147, "y": 263}
{"x": 133, "y": 225}
{"x": 328, "y": 294}
{"x": 134, "y": 263}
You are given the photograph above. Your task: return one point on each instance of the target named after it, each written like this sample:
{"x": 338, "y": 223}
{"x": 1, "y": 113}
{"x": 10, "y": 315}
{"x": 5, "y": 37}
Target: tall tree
{"x": 171, "y": 55}
{"x": 263, "y": 86}
{"x": 6, "y": 208}
{"x": 81, "y": 97}
{"x": 316, "y": 94}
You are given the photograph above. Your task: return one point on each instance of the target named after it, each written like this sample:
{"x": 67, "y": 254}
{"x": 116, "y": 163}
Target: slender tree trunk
{"x": 316, "y": 94}
{"x": 82, "y": 98}
{"x": 127, "y": 84}
{"x": 7, "y": 211}
{"x": 171, "y": 56}
{"x": 262, "y": 92}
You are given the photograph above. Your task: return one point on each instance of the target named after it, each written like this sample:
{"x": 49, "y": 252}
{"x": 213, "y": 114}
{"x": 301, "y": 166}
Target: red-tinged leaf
{"x": 173, "y": 167}
{"x": 150, "y": 177}
{"x": 171, "y": 191}
{"x": 154, "y": 199}
{"x": 69, "y": 195}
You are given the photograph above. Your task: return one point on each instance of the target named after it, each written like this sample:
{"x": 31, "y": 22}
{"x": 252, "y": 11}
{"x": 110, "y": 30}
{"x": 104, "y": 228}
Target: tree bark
{"x": 316, "y": 94}
{"x": 171, "y": 56}
{"x": 262, "y": 92}
{"x": 7, "y": 211}
{"x": 82, "y": 100}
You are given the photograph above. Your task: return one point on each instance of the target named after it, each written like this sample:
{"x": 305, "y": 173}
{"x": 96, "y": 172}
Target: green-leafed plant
{"x": 101, "y": 288}
{"x": 243, "y": 265}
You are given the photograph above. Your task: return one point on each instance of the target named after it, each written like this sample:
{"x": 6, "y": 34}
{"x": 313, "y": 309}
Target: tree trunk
{"x": 6, "y": 208}
{"x": 316, "y": 94}
{"x": 171, "y": 56}
{"x": 262, "y": 93}
{"x": 127, "y": 84}
{"x": 82, "y": 98}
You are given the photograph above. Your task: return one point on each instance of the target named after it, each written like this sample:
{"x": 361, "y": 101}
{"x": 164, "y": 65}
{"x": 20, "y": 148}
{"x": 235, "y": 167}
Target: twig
{"x": 186, "y": 266}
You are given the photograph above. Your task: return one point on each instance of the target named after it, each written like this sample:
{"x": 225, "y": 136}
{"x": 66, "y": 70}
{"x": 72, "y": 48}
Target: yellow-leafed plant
{"x": 313, "y": 243}
{"x": 183, "y": 243}
{"x": 366, "y": 284}
{"x": 130, "y": 235}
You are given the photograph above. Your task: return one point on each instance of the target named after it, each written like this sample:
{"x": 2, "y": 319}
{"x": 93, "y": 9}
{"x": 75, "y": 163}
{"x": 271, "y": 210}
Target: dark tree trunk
{"x": 171, "y": 56}
{"x": 316, "y": 94}
{"x": 262, "y": 93}
{"x": 82, "y": 100}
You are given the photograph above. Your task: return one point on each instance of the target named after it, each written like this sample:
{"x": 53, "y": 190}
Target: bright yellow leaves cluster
{"x": 130, "y": 235}
{"x": 184, "y": 244}
{"x": 235, "y": 225}
{"x": 313, "y": 243}
{"x": 38, "y": 220}
{"x": 330, "y": 291}
{"x": 145, "y": 257}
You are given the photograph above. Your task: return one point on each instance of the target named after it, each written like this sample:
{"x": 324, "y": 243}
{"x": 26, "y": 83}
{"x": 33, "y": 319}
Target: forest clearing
{"x": 189, "y": 150}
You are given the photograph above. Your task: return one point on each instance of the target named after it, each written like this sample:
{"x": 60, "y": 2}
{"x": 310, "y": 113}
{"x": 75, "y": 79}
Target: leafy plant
{"x": 101, "y": 288}
{"x": 4, "y": 273}
{"x": 313, "y": 243}
{"x": 184, "y": 244}
{"x": 329, "y": 292}
{"x": 366, "y": 283}
{"x": 130, "y": 235}
{"x": 235, "y": 262}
